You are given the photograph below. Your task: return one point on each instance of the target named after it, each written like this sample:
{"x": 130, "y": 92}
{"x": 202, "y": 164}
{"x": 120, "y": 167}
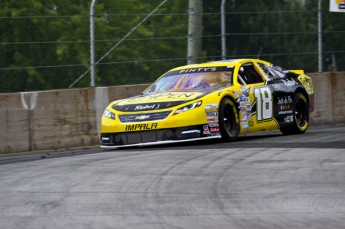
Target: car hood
{"x": 157, "y": 101}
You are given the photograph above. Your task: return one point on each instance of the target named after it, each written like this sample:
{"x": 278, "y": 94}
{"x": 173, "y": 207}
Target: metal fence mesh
{"x": 46, "y": 45}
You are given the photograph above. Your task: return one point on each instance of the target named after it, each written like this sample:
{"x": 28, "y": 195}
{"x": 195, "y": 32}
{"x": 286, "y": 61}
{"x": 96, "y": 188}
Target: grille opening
{"x": 144, "y": 117}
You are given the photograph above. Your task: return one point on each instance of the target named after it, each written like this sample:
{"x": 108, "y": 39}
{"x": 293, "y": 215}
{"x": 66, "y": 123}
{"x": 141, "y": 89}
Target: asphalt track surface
{"x": 263, "y": 180}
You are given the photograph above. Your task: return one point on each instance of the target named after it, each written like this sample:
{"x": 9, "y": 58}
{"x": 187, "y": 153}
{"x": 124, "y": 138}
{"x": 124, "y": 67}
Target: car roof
{"x": 234, "y": 62}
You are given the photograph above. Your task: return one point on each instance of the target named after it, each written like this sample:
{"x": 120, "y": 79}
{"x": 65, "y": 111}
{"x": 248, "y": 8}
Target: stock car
{"x": 219, "y": 99}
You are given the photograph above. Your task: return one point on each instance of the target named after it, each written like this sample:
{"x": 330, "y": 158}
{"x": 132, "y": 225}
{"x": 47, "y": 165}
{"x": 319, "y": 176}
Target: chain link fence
{"x": 46, "y": 45}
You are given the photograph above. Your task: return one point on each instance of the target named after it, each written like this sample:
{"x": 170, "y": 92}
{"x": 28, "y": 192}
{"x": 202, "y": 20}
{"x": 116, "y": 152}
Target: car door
{"x": 283, "y": 89}
{"x": 257, "y": 101}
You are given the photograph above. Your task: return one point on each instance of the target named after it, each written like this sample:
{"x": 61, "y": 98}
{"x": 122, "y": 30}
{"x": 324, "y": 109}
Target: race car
{"x": 220, "y": 99}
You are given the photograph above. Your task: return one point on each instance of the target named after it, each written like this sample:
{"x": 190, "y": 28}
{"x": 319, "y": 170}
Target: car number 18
{"x": 264, "y": 106}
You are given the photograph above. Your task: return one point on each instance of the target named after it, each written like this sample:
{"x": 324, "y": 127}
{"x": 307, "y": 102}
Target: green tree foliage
{"x": 276, "y": 31}
{"x": 46, "y": 44}
{"x": 39, "y": 43}
{"x": 140, "y": 58}
{"x": 333, "y": 32}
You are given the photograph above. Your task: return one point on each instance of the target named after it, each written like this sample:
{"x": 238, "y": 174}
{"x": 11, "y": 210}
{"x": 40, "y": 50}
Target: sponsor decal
{"x": 246, "y": 92}
{"x": 210, "y": 114}
{"x": 213, "y": 124}
{"x": 206, "y": 130}
{"x": 285, "y": 112}
{"x": 215, "y": 134}
{"x": 241, "y": 98}
{"x": 170, "y": 95}
{"x": 147, "y": 107}
{"x": 209, "y": 106}
{"x": 277, "y": 87}
{"x": 285, "y": 107}
{"x": 285, "y": 100}
{"x": 245, "y": 125}
{"x": 243, "y": 92}
{"x": 147, "y": 126}
{"x": 212, "y": 119}
{"x": 288, "y": 118}
{"x": 192, "y": 70}
{"x": 191, "y": 132}
{"x": 142, "y": 117}
{"x": 214, "y": 129}
{"x": 237, "y": 93}
{"x": 211, "y": 110}
{"x": 250, "y": 123}
{"x": 242, "y": 105}
{"x": 289, "y": 82}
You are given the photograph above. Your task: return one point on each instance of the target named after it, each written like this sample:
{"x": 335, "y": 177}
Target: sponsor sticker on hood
{"x": 161, "y": 97}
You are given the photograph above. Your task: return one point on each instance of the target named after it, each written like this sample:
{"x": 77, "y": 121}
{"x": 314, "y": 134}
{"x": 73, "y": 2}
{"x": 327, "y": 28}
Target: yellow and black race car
{"x": 220, "y": 99}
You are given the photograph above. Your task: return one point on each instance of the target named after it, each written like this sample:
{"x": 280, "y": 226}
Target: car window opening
{"x": 192, "y": 81}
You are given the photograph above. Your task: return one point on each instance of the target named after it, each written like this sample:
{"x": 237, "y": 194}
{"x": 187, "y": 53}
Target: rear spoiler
{"x": 299, "y": 72}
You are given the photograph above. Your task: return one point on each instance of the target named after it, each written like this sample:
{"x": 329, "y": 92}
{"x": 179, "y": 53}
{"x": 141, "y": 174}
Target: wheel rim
{"x": 300, "y": 113}
{"x": 227, "y": 119}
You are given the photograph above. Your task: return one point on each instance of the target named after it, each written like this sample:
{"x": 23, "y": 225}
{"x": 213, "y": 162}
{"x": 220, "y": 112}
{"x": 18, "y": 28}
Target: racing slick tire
{"x": 300, "y": 111}
{"x": 228, "y": 120}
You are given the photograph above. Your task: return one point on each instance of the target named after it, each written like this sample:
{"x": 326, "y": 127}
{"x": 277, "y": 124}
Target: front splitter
{"x": 161, "y": 142}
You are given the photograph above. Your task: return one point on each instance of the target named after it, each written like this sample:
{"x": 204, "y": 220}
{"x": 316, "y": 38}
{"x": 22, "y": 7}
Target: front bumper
{"x": 155, "y": 137}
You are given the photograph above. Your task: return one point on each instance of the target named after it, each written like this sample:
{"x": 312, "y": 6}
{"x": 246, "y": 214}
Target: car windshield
{"x": 191, "y": 81}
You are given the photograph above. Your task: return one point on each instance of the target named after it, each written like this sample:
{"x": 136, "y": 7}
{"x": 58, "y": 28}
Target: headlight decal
{"x": 188, "y": 107}
{"x": 109, "y": 114}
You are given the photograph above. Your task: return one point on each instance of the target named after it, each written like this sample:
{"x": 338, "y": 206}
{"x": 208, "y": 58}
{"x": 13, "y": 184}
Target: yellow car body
{"x": 221, "y": 99}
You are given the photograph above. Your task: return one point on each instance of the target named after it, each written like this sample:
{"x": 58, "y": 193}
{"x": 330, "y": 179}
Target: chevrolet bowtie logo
{"x": 141, "y": 117}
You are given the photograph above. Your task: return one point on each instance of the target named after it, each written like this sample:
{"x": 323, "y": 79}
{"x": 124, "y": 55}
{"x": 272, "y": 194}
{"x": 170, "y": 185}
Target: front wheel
{"x": 300, "y": 116}
{"x": 228, "y": 120}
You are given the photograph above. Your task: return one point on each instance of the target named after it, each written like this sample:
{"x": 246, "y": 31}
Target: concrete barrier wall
{"x": 55, "y": 119}
{"x": 329, "y": 90}
{"x": 70, "y": 118}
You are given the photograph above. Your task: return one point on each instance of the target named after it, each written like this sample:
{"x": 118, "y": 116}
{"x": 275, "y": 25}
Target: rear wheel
{"x": 300, "y": 116}
{"x": 228, "y": 120}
